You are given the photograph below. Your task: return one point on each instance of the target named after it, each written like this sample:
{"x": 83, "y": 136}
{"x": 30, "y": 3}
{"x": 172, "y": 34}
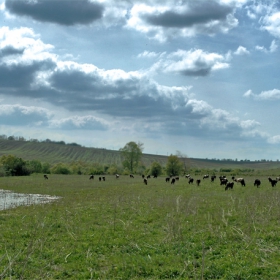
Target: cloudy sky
{"x": 200, "y": 77}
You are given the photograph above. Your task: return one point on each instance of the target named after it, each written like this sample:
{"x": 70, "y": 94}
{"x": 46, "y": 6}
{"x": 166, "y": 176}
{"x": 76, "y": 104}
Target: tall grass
{"x": 123, "y": 229}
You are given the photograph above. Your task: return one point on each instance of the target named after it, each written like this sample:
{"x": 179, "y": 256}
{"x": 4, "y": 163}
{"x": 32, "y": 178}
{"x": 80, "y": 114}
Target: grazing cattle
{"x": 177, "y": 178}
{"x": 149, "y": 176}
{"x": 103, "y": 178}
{"x": 240, "y": 180}
{"x": 205, "y": 176}
{"x": 145, "y": 181}
{"x": 131, "y": 176}
{"x": 187, "y": 176}
{"x": 91, "y": 177}
{"x": 143, "y": 176}
{"x": 198, "y": 182}
{"x": 173, "y": 181}
{"x": 46, "y": 176}
{"x": 155, "y": 176}
{"x": 243, "y": 183}
{"x": 167, "y": 179}
{"x": 213, "y": 177}
{"x": 223, "y": 182}
{"x": 100, "y": 178}
{"x": 273, "y": 182}
{"x": 257, "y": 182}
{"x": 117, "y": 176}
{"x": 190, "y": 180}
{"x": 229, "y": 185}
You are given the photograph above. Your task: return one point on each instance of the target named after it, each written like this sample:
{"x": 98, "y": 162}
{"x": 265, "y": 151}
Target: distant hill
{"x": 61, "y": 152}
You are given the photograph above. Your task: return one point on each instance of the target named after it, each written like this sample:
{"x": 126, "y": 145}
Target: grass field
{"x": 123, "y": 229}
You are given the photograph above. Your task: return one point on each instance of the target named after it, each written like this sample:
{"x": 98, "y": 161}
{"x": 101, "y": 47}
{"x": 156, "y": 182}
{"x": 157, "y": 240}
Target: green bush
{"x": 60, "y": 168}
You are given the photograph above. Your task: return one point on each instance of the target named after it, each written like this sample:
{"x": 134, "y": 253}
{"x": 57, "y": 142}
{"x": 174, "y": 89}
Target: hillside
{"x": 54, "y": 153}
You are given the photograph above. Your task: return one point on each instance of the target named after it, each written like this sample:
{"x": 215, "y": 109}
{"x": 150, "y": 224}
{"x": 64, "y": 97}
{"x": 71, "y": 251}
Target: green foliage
{"x": 2, "y": 171}
{"x": 113, "y": 170}
{"x": 95, "y": 169}
{"x": 60, "y": 168}
{"x": 174, "y": 166}
{"x": 34, "y": 166}
{"x": 46, "y": 168}
{"x": 14, "y": 166}
{"x": 131, "y": 154}
{"x": 155, "y": 169}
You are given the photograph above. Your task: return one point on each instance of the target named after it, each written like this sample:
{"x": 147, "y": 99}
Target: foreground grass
{"x": 123, "y": 229}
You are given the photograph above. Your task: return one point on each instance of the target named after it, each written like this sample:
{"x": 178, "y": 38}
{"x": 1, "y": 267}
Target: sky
{"x": 195, "y": 77}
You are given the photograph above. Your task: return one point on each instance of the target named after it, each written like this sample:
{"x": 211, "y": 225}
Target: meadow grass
{"x": 123, "y": 229}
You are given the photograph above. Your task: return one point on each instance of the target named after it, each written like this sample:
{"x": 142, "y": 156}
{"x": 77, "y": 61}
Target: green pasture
{"x": 123, "y": 229}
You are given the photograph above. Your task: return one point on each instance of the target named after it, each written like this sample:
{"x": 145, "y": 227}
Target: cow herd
{"x": 224, "y": 181}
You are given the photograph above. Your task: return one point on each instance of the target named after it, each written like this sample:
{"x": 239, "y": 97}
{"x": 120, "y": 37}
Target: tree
{"x": 131, "y": 154}
{"x": 14, "y": 166}
{"x": 155, "y": 169}
{"x": 184, "y": 159}
{"x": 174, "y": 166}
{"x": 34, "y": 166}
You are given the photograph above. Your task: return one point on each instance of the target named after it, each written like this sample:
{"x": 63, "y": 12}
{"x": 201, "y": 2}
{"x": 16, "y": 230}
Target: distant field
{"x": 123, "y": 229}
{"x": 54, "y": 153}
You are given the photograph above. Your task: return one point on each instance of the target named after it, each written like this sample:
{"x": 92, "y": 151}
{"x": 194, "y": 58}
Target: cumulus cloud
{"x": 273, "y": 94}
{"x": 182, "y": 19}
{"x": 241, "y": 51}
{"x": 194, "y": 62}
{"x": 61, "y": 12}
{"x": 147, "y": 54}
{"x": 15, "y": 115}
{"x": 271, "y": 23}
{"x": 273, "y": 47}
{"x": 80, "y": 122}
{"x": 274, "y": 139}
{"x": 115, "y": 93}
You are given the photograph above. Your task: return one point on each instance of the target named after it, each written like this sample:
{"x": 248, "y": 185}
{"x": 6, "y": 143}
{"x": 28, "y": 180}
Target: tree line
{"x": 131, "y": 153}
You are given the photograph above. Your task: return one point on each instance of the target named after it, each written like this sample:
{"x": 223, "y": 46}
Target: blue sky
{"x": 199, "y": 77}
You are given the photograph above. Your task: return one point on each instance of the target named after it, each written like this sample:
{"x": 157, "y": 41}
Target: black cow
{"x": 46, "y": 176}
{"x": 273, "y": 182}
{"x": 223, "y": 182}
{"x": 173, "y": 181}
{"x": 145, "y": 181}
{"x": 213, "y": 177}
{"x": 198, "y": 182}
{"x": 229, "y": 185}
{"x": 91, "y": 177}
{"x": 257, "y": 183}
{"x": 167, "y": 179}
{"x": 190, "y": 180}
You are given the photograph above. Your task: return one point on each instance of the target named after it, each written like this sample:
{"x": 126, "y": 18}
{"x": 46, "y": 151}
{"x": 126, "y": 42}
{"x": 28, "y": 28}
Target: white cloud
{"x": 241, "y": 51}
{"x": 80, "y": 122}
{"x": 273, "y": 94}
{"x": 17, "y": 114}
{"x": 147, "y": 54}
{"x": 271, "y": 24}
{"x": 193, "y": 62}
{"x": 274, "y": 139}
{"x": 272, "y": 48}
{"x": 183, "y": 19}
